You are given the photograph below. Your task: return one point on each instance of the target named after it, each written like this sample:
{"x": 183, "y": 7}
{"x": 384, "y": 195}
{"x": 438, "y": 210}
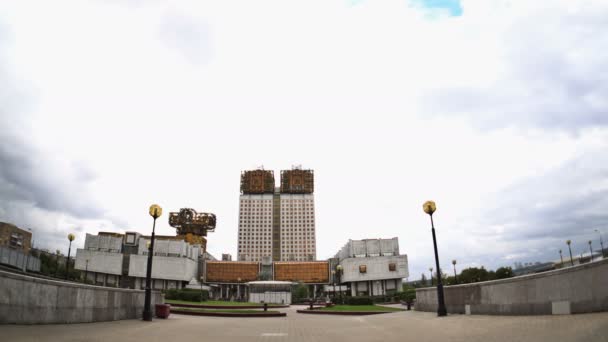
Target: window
{"x": 392, "y": 266}
{"x": 362, "y": 269}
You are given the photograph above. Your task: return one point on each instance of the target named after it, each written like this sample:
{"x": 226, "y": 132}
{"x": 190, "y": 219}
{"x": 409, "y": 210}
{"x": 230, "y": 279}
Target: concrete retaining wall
{"x": 577, "y": 289}
{"x": 29, "y": 300}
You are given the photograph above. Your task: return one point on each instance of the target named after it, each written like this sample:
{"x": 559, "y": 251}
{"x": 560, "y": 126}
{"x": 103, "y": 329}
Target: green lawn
{"x": 214, "y": 302}
{"x": 359, "y": 308}
{"x": 224, "y": 310}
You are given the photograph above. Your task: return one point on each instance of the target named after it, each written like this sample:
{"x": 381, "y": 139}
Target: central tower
{"x": 277, "y": 223}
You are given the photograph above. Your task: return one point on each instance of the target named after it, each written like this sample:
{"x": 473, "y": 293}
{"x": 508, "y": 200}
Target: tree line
{"x": 466, "y": 276}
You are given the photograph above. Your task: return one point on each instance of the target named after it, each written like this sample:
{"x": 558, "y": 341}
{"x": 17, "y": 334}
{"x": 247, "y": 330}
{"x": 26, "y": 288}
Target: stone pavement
{"x": 400, "y": 326}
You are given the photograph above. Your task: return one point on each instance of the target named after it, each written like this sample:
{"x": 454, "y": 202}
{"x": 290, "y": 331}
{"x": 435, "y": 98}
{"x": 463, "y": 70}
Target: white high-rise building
{"x": 255, "y": 227}
{"x": 277, "y": 224}
{"x": 298, "y": 240}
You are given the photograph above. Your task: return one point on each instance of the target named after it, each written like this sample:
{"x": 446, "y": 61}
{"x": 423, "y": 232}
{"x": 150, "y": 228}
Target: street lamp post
{"x": 155, "y": 211}
{"x": 561, "y": 257}
{"x": 601, "y": 242}
{"x": 333, "y": 279}
{"x": 429, "y": 208}
{"x": 568, "y": 242}
{"x": 67, "y": 264}
{"x": 201, "y": 281}
{"x": 591, "y": 250}
{"x": 431, "y": 270}
{"x": 86, "y": 270}
{"x": 57, "y": 264}
{"x": 455, "y": 278}
{"x": 339, "y": 270}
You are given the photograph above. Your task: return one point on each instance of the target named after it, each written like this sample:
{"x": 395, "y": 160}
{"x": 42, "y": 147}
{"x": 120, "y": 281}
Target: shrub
{"x": 189, "y": 295}
{"x": 408, "y": 295}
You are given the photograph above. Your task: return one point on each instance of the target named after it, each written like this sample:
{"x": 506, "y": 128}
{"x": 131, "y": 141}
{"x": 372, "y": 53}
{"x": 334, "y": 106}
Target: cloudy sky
{"x": 495, "y": 109}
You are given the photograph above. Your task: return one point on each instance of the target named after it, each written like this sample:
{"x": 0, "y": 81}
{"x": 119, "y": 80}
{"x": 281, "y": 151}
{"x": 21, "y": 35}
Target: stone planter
{"x": 163, "y": 310}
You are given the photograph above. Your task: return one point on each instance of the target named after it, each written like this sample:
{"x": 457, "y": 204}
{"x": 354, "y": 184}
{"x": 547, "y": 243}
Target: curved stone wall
{"x": 30, "y": 300}
{"x": 577, "y": 289}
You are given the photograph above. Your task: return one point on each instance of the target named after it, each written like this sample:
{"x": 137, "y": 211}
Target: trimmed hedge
{"x": 189, "y": 295}
{"x": 408, "y": 295}
{"x": 358, "y": 301}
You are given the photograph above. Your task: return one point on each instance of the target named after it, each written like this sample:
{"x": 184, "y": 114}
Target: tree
{"x": 473, "y": 275}
{"x": 299, "y": 292}
{"x": 423, "y": 280}
{"x": 504, "y": 272}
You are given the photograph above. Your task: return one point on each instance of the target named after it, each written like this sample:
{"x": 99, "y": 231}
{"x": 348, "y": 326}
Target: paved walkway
{"x": 400, "y": 326}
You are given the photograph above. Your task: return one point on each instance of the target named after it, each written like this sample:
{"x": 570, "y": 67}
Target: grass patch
{"x": 216, "y": 302}
{"x": 366, "y": 308}
{"x": 225, "y": 310}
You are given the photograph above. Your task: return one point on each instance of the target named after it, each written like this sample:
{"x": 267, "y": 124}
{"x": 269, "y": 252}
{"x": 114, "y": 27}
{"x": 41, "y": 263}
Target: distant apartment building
{"x": 371, "y": 267}
{"x": 120, "y": 260}
{"x": 14, "y": 237}
{"x": 277, "y": 222}
{"x": 16, "y": 247}
{"x": 226, "y": 257}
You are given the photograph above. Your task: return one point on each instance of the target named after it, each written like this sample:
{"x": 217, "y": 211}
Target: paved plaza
{"x": 400, "y": 326}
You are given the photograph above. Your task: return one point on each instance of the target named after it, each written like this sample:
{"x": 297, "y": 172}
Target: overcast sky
{"x": 495, "y": 109}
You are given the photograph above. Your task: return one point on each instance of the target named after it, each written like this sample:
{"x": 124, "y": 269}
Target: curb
{"x": 226, "y": 314}
{"x": 343, "y": 313}
{"x": 236, "y": 307}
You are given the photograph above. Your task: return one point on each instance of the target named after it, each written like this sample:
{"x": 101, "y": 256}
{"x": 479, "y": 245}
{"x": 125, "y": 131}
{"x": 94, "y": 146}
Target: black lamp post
{"x": 57, "y": 264}
{"x": 201, "y": 281}
{"x": 429, "y": 208}
{"x": 86, "y": 270}
{"x": 601, "y": 242}
{"x": 155, "y": 212}
{"x": 333, "y": 278}
{"x": 67, "y": 264}
{"x": 561, "y": 257}
{"x": 568, "y": 242}
{"x": 455, "y": 278}
{"x": 431, "y": 270}
{"x": 590, "y": 250}
{"x": 339, "y": 270}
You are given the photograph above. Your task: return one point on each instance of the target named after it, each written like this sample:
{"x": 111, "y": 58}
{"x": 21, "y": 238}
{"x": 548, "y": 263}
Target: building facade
{"x": 230, "y": 280}
{"x": 120, "y": 260}
{"x": 371, "y": 267}
{"x": 14, "y": 237}
{"x": 277, "y": 222}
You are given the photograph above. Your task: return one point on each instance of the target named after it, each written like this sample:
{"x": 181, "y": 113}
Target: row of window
{"x": 283, "y": 229}
{"x": 251, "y": 233}
{"x": 391, "y": 267}
{"x": 283, "y": 222}
{"x": 262, "y": 201}
{"x": 263, "y": 207}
